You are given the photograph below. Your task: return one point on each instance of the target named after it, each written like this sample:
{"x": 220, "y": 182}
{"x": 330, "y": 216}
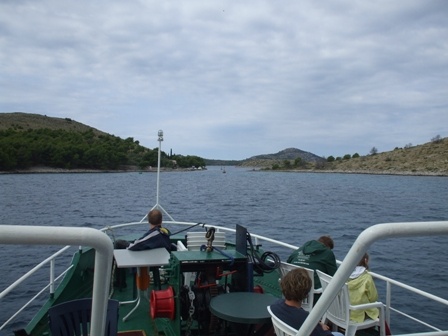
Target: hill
{"x": 289, "y": 154}
{"x": 266, "y": 160}
{"x": 33, "y": 141}
{"x": 428, "y": 159}
{"x": 30, "y": 121}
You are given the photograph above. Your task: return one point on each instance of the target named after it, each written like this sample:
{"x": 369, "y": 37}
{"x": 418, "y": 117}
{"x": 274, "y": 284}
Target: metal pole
{"x": 160, "y": 134}
{"x": 52, "y": 270}
{"x": 157, "y": 205}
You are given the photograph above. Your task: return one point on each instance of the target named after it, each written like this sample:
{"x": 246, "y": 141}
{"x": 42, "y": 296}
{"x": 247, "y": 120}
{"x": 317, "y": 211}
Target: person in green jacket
{"x": 316, "y": 255}
{"x": 362, "y": 289}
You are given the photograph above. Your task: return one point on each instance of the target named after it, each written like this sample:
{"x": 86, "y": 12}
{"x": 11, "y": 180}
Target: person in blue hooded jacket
{"x": 316, "y": 255}
{"x": 156, "y": 237}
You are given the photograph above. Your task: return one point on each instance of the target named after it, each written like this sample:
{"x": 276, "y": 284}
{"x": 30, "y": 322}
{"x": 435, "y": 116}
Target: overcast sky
{"x": 233, "y": 79}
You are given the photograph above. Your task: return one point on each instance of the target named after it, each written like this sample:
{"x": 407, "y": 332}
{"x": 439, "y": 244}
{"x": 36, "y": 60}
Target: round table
{"x": 243, "y": 307}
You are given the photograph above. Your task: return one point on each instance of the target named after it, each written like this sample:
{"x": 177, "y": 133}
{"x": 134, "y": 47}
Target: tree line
{"x": 21, "y": 149}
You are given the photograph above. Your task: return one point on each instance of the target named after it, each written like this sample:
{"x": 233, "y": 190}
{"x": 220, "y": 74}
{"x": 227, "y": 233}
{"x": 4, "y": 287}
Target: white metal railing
{"x": 360, "y": 246}
{"x": 56, "y": 235}
{"x": 258, "y": 238}
{"x": 33, "y": 271}
{"x": 388, "y": 305}
{"x": 39, "y": 293}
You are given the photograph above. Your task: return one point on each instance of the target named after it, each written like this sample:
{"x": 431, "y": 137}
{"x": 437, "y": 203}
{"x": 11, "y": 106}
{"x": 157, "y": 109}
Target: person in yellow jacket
{"x": 362, "y": 289}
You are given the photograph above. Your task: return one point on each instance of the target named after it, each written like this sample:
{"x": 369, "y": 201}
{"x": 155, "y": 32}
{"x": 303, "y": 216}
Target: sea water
{"x": 293, "y": 207}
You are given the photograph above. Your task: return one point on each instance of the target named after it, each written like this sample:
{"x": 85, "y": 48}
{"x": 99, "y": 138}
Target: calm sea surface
{"x": 294, "y": 207}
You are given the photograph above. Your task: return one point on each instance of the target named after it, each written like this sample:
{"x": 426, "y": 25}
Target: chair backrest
{"x": 195, "y": 239}
{"x": 308, "y": 302}
{"x": 188, "y": 276}
{"x": 72, "y": 318}
{"x": 339, "y": 310}
{"x": 180, "y": 246}
{"x": 280, "y": 327}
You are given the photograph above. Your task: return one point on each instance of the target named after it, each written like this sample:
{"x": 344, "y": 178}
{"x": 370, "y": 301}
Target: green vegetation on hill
{"x": 428, "y": 159}
{"x": 30, "y": 140}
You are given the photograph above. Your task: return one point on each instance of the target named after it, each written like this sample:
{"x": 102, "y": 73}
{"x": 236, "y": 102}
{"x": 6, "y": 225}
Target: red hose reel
{"x": 162, "y": 303}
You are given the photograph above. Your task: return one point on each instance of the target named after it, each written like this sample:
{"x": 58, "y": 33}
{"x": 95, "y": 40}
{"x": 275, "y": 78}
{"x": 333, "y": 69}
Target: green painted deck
{"x": 79, "y": 280}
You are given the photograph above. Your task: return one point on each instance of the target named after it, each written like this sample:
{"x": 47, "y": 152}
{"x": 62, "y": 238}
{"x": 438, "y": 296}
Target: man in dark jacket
{"x": 155, "y": 237}
{"x": 316, "y": 255}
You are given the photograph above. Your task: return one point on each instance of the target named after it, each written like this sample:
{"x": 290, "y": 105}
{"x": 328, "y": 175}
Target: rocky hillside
{"x": 25, "y": 121}
{"x": 427, "y": 159}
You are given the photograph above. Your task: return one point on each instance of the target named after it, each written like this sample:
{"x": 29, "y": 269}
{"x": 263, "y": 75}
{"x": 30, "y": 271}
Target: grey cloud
{"x": 242, "y": 77}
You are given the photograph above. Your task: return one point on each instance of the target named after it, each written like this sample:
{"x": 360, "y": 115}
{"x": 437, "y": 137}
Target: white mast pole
{"x": 157, "y": 205}
{"x": 160, "y": 134}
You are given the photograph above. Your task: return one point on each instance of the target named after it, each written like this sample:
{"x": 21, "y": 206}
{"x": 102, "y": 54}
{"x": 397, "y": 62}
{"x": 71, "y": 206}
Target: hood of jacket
{"x": 359, "y": 270}
{"x": 313, "y": 247}
{"x": 357, "y": 280}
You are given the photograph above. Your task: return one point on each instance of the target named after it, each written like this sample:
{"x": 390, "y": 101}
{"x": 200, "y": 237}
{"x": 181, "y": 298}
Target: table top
{"x": 154, "y": 257}
{"x": 242, "y": 307}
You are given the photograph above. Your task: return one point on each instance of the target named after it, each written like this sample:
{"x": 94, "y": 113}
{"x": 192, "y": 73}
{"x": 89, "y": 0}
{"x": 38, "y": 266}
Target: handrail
{"x": 56, "y": 235}
{"x": 34, "y": 298}
{"x": 32, "y": 271}
{"x": 410, "y": 288}
{"x": 388, "y": 306}
{"x": 360, "y": 246}
{"x": 387, "y": 280}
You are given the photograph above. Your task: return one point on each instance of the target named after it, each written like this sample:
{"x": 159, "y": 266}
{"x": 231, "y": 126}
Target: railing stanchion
{"x": 52, "y": 278}
{"x": 388, "y": 301}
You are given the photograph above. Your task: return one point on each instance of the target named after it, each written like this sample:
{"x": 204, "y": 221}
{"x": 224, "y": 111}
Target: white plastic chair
{"x": 308, "y": 302}
{"x": 339, "y": 310}
{"x": 181, "y": 246}
{"x": 280, "y": 327}
{"x": 195, "y": 239}
{"x": 188, "y": 276}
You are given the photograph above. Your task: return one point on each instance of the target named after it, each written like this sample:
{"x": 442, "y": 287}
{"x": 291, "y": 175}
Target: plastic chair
{"x": 280, "y": 327}
{"x": 72, "y": 318}
{"x": 195, "y": 239}
{"x": 339, "y": 310}
{"x": 187, "y": 275}
{"x": 180, "y": 246}
{"x": 308, "y": 302}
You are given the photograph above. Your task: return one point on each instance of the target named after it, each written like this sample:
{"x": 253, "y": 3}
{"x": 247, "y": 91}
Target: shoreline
{"x": 49, "y": 170}
{"x": 365, "y": 172}
{"x": 375, "y": 172}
